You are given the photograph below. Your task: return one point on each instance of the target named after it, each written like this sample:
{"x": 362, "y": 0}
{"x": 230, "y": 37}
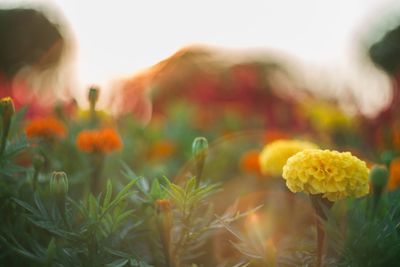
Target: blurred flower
{"x": 249, "y": 162}
{"x": 394, "y": 174}
{"x": 333, "y": 174}
{"x": 274, "y": 134}
{"x": 45, "y": 128}
{"x": 86, "y": 115}
{"x": 274, "y": 155}
{"x": 396, "y": 136}
{"x": 162, "y": 149}
{"x": 103, "y": 140}
{"x": 326, "y": 116}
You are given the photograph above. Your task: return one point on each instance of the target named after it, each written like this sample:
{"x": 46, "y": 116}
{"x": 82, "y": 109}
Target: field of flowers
{"x": 84, "y": 188}
{"x": 201, "y": 164}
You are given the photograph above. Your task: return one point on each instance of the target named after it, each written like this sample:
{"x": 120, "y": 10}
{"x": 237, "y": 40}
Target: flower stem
{"x": 319, "y": 204}
{"x": 97, "y": 162}
{"x": 4, "y": 135}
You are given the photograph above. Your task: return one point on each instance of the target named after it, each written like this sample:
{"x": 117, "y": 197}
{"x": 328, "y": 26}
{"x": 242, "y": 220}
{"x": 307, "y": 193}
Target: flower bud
{"x": 163, "y": 206}
{"x": 59, "y": 183}
{"x": 93, "y": 96}
{"x": 7, "y": 110}
{"x": 7, "y": 107}
{"x": 200, "y": 146}
{"x": 379, "y": 176}
{"x": 200, "y": 151}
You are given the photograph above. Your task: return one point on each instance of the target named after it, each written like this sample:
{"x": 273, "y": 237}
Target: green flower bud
{"x": 93, "y": 96}
{"x": 59, "y": 183}
{"x": 200, "y": 147}
{"x": 7, "y": 108}
{"x": 200, "y": 152}
{"x": 379, "y": 176}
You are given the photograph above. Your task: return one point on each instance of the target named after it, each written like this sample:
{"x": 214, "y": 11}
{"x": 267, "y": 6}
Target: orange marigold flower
{"x": 274, "y": 134}
{"x": 394, "y": 174}
{"x": 45, "y": 128}
{"x": 162, "y": 149}
{"x": 249, "y": 162}
{"x": 102, "y": 141}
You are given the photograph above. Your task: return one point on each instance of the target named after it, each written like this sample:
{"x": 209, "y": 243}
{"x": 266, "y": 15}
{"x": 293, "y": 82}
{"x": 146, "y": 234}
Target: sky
{"x": 116, "y": 38}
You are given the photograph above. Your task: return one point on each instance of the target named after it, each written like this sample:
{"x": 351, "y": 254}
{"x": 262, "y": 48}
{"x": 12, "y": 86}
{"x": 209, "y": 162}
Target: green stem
{"x": 97, "y": 162}
{"x": 319, "y": 203}
{"x": 320, "y": 242}
{"x": 200, "y": 160}
{"x": 4, "y": 135}
{"x": 165, "y": 236}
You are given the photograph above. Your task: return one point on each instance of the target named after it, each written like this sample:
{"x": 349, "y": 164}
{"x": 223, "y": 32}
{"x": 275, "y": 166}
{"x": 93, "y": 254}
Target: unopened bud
{"x": 200, "y": 152}
{"x": 379, "y": 176}
{"x": 7, "y": 107}
{"x": 59, "y": 183}
{"x": 93, "y": 96}
{"x": 163, "y": 206}
{"x": 200, "y": 146}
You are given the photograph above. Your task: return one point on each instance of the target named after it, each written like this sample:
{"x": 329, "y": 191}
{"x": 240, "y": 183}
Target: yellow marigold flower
{"x": 333, "y": 174}
{"x": 326, "y": 116}
{"x": 102, "y": 141}
{"x": 394, "y": 174}
{"x": 274, "y": 155}
{"x": 45, "y": 128}
{"x": 101, "y": 114}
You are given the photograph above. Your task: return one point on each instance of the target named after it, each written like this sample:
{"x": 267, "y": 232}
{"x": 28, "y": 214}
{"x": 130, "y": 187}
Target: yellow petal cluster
{"x": 274, "y": 155}
{"x": 333, "y": 174}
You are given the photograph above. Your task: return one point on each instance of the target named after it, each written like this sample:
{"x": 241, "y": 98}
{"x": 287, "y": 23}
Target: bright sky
{"x": 121, "y": 37}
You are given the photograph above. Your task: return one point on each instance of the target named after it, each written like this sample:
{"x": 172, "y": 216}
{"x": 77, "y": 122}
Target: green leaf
{"x": 108, "y": 194}
{"x": 155, "y": 191}
{"x": 40, "y": 205}
{"x": 123, "y": 216}
{"x": 26, "y": 206}
{"x": 118, "y": 263}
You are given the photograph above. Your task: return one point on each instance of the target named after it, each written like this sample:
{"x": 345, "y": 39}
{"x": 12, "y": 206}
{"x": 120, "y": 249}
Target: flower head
{"x": 394, "y": 174}
{"x": 274, "y": 155}
{"x": 45, "y": 128}
{"x": 333, "y": 174}
{"x": 162, "y": 149}
{"x": 249, "y": 162}
{"x": 103, "y": 140}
